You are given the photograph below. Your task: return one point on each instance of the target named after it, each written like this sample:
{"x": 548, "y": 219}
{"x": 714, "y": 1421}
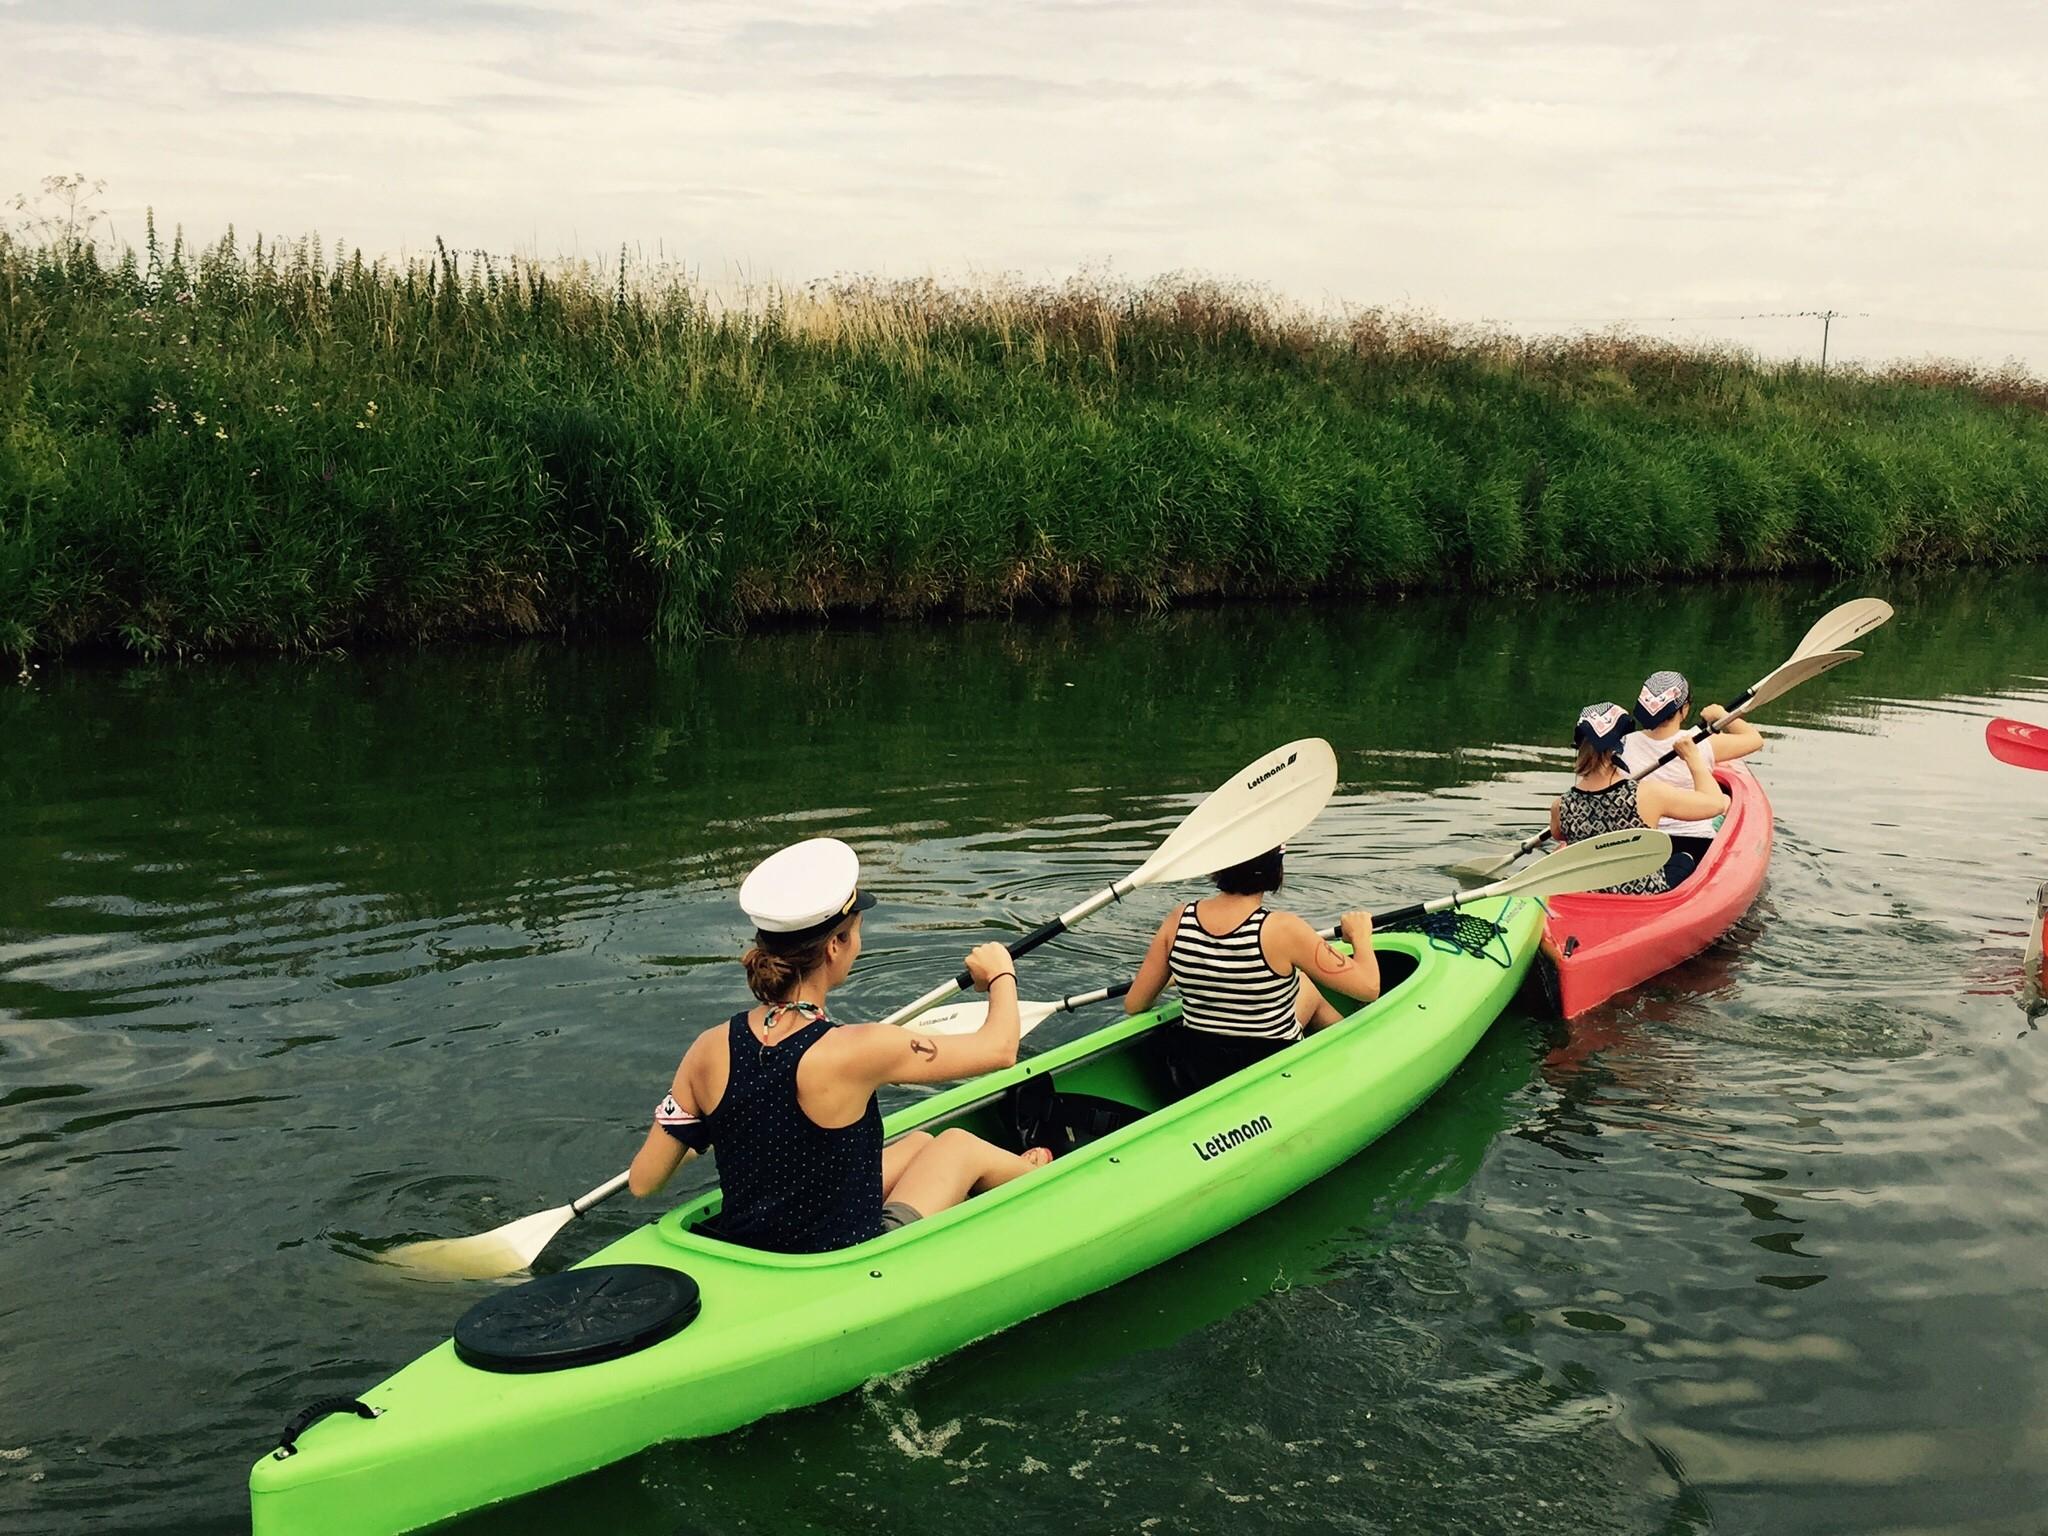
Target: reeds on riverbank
{"x": 275, "y": 446}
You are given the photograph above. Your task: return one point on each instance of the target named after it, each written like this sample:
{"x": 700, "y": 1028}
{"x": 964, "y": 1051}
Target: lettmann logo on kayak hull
{"x": 1254, "y": 783}
{"x": 1236, "y": 1136}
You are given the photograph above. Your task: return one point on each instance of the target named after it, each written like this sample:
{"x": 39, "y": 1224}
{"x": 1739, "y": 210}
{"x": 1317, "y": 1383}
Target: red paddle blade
{"x": 2016, "y": 742}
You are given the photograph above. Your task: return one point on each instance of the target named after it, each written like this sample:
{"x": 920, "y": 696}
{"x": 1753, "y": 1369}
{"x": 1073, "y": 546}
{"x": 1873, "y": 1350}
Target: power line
{"x": 1826, "y": 317}
{"x": 1966, "y": 325}
{"x": 1775, "y": 314}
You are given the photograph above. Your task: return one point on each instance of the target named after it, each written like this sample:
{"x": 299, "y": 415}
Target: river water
{"x": 299, "y": 959}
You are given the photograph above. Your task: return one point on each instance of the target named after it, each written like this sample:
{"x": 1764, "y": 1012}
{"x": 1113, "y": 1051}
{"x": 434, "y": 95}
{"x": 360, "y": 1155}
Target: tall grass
{"x": 283, "y": 445}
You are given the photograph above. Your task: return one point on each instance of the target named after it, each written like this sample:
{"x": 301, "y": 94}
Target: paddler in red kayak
{"x": 1603, "y": 798}
{"x": 785, "y": 1096}
{"x": 1661, "y": 708}
{"x": 1246, "y": 975}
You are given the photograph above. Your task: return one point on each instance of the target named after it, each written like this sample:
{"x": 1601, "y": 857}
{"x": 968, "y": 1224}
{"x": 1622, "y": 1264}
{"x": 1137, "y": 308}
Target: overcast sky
{"x": 1552, "y": 164}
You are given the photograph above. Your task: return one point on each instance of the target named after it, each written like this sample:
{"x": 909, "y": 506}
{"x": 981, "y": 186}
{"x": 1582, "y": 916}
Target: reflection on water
{"x": 301, "y": 959}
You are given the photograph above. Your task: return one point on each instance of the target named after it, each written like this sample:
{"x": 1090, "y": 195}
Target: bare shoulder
{"x": 699, "y": 1052}
{"x": 712, "y": 1040}
{"x": 1286, "y": 936}
{"x": 1305, "y": 946}
{"x": 1290, "y": 927}
{"x": 862, "y": 1043}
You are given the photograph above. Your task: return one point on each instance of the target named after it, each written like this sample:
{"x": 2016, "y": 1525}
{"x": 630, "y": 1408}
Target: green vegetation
{"x": 272, "y": 446}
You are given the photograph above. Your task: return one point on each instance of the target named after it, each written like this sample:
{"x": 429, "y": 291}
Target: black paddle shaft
{"x": 1406, "y": 914}
{"x": 1037, "y": 936}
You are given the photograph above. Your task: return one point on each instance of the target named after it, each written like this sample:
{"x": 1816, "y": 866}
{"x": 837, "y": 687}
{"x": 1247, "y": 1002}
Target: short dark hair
{"x": 1254, "y": 877}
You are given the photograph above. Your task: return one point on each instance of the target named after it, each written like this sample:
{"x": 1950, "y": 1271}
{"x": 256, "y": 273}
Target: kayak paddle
{"x": 1610, "y": 859}
{"x": 501, "y": 1251}
{"x": 1257, "y": 808}
{"x": 1591, "y": 864}
{"x": 1832, "y": 631}
{"x": 2017, "y": 743}
{"x": 1771, "y": 687}
{"x": 966, "y": 1018}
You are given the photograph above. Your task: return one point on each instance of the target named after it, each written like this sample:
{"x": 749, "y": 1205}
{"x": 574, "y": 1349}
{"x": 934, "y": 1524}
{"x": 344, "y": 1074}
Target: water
{"x": 302, "y": 959}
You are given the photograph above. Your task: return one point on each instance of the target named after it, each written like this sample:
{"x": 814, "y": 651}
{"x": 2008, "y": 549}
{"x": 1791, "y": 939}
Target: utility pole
{"x": 1826, "y": 317}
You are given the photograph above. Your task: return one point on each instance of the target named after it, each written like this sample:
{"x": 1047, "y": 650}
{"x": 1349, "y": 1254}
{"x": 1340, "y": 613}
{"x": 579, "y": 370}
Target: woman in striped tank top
{"x": 1246, "y": 975}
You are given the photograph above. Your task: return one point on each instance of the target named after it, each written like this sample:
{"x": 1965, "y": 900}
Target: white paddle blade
{"x": 1843, "y": 626}
{"x": 1802, "y": 670}
{"x": 505, "y": 1250}
{"x": 1258, "y": 808}
{"x": 966, "y": 1018}
{"x": 1485, "y": 869}
{"x": 1612, "y": 858}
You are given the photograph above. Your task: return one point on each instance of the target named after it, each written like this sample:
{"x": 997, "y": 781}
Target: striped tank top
{"x": 1226, "y": 986}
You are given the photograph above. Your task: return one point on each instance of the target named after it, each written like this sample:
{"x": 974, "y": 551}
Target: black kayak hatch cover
{"x": 578, "y": 1317}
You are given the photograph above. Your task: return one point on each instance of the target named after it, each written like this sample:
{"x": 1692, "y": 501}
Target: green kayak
{"x": 767, "y": 1332}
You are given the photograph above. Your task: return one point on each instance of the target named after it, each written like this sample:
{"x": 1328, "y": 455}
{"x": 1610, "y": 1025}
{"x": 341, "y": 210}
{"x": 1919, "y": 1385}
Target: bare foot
{"x": 1038, "y": 1157}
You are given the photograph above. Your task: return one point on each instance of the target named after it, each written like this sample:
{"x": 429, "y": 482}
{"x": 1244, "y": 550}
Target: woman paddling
{"x": 1247, "y": 975}
{"x": 1603, "y": 798}
{"x": 1661, "y": 708}
{"x": 785, "y": 1097}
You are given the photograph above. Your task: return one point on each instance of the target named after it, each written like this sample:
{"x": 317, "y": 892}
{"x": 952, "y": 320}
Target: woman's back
{"x": 1227, "y": 986}
{"x": 791, "y": 1185}
{"x": 1584, "y": 813}
{"x": 1640, "y": 749}
{"x": 1244, "y": 991}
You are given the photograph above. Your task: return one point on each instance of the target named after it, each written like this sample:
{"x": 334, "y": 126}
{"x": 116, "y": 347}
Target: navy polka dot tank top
{"x": 791, "y": 1185}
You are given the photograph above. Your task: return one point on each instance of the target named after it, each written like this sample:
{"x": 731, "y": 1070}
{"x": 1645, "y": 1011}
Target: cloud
{"x": 241, "y": 19}
{"x": 1587, "y": 158}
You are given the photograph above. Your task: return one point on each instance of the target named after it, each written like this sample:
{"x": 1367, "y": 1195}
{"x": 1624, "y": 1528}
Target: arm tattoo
{"x": 1328, "y": 961}
{"x": 925, "y": 1046}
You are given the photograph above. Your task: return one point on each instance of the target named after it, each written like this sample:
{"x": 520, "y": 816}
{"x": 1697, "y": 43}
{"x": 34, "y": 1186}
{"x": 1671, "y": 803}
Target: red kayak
{"x": 2016, "y": 742}
{"x": 1606, "y": 944}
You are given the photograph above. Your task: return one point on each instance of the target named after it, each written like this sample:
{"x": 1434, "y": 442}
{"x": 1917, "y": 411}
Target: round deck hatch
{"x": 578, "y": 1317}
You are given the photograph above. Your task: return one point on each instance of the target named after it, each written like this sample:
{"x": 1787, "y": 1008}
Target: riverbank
{"x": 271, "y": 447}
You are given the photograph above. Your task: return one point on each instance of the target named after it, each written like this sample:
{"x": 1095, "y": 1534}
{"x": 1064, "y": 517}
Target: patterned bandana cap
{"x": 1664, "y": 693}
{"x": 1604, "y": 725}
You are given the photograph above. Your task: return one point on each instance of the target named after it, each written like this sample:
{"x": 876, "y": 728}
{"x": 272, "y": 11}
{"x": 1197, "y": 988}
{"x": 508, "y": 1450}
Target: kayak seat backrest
{"x": 1134, "y": 1073}
{"x": 1038, "y": 1114}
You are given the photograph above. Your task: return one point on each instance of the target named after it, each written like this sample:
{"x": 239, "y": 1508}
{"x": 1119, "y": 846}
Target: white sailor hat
{"x": 804, "y": 891}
